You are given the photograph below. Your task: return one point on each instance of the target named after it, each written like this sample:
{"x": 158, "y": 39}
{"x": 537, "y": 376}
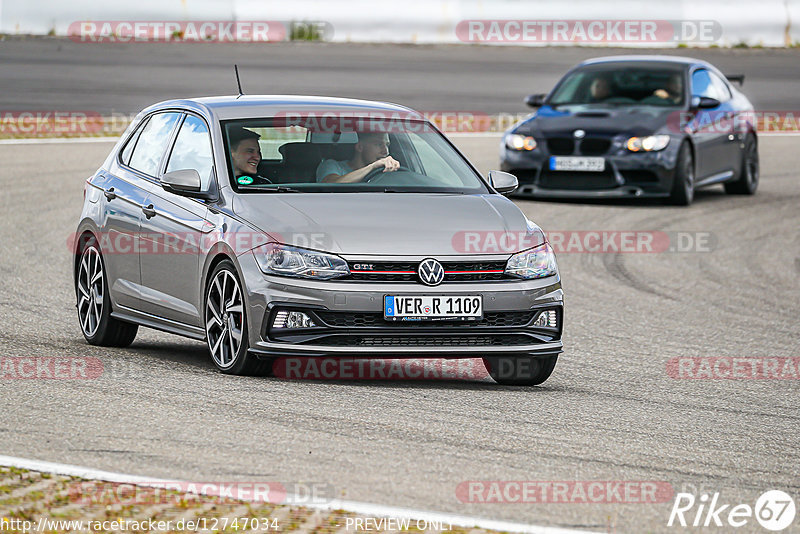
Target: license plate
{"x": 432, "y": 308}
{"x": 571, "y": 163}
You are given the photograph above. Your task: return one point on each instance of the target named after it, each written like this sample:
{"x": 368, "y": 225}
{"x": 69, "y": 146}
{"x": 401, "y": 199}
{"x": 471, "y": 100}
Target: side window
{"x": 721, "y": 88}
{"x": 702, "y": 85}
{"x": 192, "y": 150}
{"x": 125, "y": 157}
{"x": 153, "y": 142}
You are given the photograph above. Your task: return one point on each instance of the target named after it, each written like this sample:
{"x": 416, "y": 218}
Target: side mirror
{"x": 704, "y": 102}
{"x": 503, "y": 182}
{"x": 185, "y": 182}
{"x": 535, "y": 101}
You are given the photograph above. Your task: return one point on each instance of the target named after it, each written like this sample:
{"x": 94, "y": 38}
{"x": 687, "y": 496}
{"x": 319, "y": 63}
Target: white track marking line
{"x": 368, "y": 509}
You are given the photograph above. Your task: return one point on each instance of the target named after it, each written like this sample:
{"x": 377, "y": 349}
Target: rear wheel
{"x": 682, "y": 192}
{"x": 747, "y": 182}
{"x": 520, "y": 370}
{"x": 94, "y": 303}
{"x": 226, "y": 324}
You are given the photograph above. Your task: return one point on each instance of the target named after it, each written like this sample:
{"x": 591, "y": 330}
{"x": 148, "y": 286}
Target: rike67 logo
{"x": 774, "y": 510}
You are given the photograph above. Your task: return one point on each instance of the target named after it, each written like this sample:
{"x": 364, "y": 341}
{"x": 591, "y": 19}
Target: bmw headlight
{"x": 537, "y": 262}
{"x": 274, "y": 258}
{"x": 520, "y": 142}
{"x": 651, "y": 143}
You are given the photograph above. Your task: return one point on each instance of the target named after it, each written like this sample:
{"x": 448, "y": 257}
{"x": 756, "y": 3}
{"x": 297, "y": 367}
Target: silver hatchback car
{"x": 284, "y": 226}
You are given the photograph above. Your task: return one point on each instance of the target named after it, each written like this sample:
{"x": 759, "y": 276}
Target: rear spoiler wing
{"x": 738, "y": 78}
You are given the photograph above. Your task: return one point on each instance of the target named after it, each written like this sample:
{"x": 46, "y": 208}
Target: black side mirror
{"x": 704, "y": 102}
{"x": 185, "y": 182}
{"x": 503, "y": 182}
{"x": 535, "y": 101}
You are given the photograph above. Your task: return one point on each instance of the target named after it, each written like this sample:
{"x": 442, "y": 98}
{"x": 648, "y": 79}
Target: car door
{"x": 729, "y": 155}
{"x": 173, "y": 230}
{"x": 710, "y": 127}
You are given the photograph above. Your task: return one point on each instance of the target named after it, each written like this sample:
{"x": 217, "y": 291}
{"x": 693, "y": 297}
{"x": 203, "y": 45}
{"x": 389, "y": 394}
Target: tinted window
{"x": 192, "y": 150}
{"x": 153, "y": 142}
{"x": 702, "y": 85}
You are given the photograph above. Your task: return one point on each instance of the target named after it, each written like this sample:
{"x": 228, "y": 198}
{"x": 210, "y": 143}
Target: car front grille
{"x": 502, "y": 340}
{"x": 560, "y": 146}
{"x": 407, "y": 271}
{"x": 594, "y": 146}
{"x": 589, "y": 146}
{"x": 376, "y": 320}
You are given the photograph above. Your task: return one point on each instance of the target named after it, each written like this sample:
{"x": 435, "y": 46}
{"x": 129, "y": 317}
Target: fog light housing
{"x": 546, "y": 319}
{"x": 292, "y": 319}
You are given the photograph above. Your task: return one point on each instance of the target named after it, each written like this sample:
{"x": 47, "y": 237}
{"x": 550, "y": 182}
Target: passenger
{"x": 371, "y": 152}
{"x": 600, "y": 89}
{"x": 673, "y": 92}
{"x": 245, "y": 156}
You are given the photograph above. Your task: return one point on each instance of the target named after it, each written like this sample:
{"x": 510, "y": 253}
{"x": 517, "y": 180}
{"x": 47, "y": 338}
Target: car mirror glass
{"x": 503, "y": 182}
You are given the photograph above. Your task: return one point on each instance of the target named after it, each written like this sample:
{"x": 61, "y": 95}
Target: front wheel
{"x": 94, "y": 303}
{"x": 682, "y": 192}
{"x": 520, "y": 370}
{"x": 226, "y": 324}
{"x": 747, "y": 182}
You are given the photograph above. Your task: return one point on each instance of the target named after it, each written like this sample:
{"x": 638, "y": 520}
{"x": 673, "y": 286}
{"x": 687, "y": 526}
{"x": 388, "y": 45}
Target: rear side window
{"x": 152, "y": 143}
{"x": 720, "y": 87}
{"x": 125, "y": 157}
{"x": 192, "y": 150}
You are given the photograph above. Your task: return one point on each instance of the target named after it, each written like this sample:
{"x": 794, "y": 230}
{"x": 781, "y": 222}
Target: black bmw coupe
{"x": 636, "y": 126}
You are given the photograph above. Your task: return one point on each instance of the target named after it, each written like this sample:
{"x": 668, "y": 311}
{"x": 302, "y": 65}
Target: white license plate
{"x": 431, "y": 308}
{"x": 572, "y": 163}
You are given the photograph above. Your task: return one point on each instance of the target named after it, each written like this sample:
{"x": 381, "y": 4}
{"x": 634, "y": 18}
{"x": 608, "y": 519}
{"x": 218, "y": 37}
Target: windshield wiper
{"x": 425, "y": 191}
{"x": 280, "y": 189}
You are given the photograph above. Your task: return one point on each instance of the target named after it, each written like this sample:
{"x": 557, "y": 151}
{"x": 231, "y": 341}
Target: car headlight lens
{"x": 537, "y": 262}
{"x": 651, "y": 143}
{"x": 274, "y": 258}
{"x": 520, "y": 142}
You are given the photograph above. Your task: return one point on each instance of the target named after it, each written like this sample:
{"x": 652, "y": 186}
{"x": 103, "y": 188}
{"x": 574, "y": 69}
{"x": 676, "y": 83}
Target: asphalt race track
{"x": 610, "y": 412}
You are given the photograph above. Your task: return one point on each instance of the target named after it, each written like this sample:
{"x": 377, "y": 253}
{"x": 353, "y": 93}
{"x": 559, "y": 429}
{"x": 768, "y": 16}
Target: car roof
{"x": 249, "y": 106}
{"x": 677, "y": 61}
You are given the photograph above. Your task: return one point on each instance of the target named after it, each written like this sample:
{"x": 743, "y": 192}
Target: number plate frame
{"x": 387, "y": 307}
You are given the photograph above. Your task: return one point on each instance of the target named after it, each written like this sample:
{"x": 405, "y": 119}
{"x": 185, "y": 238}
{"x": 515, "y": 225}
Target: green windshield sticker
{"x": 245, "y": 180}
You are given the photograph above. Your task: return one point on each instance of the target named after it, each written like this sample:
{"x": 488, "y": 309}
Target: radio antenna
{"x": 238, "y": 82}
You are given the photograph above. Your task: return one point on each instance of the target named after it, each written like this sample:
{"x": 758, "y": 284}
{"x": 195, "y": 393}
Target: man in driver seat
{"x": 371, "y": 153}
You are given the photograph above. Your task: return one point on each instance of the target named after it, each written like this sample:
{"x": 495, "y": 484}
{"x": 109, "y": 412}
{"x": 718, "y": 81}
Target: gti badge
{"x": 579, "y": 134}
{"x": 431, "y": 272}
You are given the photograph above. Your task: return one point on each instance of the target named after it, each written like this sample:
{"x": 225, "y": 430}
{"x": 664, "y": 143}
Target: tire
{"x": 520, "y": 370}
{"x": 747, "y": 181}
{"x": 225, "y": 318}
{"x": 682, "y": 192}
{"x": 94, "y": 302}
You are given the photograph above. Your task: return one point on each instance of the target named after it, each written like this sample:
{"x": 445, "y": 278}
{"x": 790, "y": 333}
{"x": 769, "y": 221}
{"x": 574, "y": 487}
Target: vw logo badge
{"x": 579, "y": 134}
{"x": 430, "y": 272}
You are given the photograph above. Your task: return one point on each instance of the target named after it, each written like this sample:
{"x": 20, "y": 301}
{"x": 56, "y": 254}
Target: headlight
{"x": 274, "y": 258}
{"x": 537, "y": 262}
{"x": 651, "y": 143}
{"x": 520, "y": 142}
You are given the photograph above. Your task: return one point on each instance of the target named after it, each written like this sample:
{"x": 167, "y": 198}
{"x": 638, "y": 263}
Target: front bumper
{"x": 627, "y": 174}
{"x": 350, "y": 321}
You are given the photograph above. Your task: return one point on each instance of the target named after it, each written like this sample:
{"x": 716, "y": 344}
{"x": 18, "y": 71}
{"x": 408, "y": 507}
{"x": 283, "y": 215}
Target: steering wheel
{"x": 374, "y": 173}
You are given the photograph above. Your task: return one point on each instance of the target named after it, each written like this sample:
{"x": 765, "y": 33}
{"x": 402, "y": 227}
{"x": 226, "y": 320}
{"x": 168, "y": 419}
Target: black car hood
{"x": 627, "y": 120}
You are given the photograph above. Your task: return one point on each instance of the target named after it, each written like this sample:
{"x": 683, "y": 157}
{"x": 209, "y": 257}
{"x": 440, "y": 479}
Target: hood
{"x": 388, "y": 224}
{"x": 604, "y": 120}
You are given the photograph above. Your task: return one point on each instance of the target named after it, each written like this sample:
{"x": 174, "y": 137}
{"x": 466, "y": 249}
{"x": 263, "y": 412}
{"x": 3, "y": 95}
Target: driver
{"x": 673, "y": 91}
{"x": 371, "y": 153}
{"x": 245, "y": 156}
{"x": 600, "y": 89}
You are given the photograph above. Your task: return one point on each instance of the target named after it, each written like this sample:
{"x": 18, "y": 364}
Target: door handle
{"x": 149, "y": 211}
{"x": 110, "y": 194}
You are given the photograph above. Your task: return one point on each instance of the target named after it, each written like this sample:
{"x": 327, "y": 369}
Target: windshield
{"x": 331, "y": 153}
{"x": 621, "y": 86}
